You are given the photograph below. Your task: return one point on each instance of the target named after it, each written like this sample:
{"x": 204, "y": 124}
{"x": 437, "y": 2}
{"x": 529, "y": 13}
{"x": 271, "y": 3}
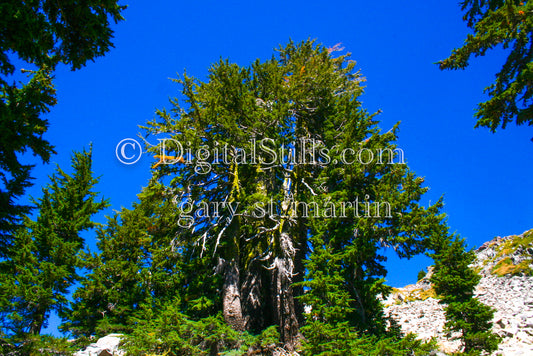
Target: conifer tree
{"x": 42, "y": 34}
{"x": 454, "y": 281}
{"x": 508, "y": 23}
{"x": 45, "y": 258}
{"x": 137, "y": 267}
{"x": 115, "y": 284}
{"x": 262, "y": 164}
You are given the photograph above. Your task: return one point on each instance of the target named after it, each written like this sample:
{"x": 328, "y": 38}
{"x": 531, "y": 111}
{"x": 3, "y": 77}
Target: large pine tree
{"x": 288, "y": 190}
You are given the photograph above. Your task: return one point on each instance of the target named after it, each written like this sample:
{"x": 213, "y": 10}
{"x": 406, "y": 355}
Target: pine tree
{"x": 137, "y": 268}
{"x": 22, "y": 126}
{"x": 345, "y": 271}
{"x": 259, "y": 182}
{"x": 45, "y": 259}
{"x": 41, "y": 33}
{"x": 114, "y": 286}
{"x": 454, "y": 281}
{"x": 508, "y": 23}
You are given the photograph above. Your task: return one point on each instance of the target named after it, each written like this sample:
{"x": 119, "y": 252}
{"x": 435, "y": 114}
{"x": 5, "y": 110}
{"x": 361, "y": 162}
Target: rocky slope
{"x": 506, "y": 267}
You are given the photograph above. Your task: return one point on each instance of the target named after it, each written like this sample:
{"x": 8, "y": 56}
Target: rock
{"x": 510, "y": 331}
{"x": 105, "y": 346}
{"x": 499, "y": 323}
{"x": 524, "y": 337}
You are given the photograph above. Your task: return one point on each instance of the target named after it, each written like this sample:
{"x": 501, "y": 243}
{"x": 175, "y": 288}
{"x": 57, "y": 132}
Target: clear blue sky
{"x": 486, "y": 178}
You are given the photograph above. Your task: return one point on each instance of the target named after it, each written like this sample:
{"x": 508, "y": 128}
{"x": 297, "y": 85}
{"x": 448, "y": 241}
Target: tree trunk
{"x": 231, "y": 297}
{"x": 282, "y": 294}
{"x": 37, "y": 322}
{"x": 299, "y": 267}
{"x": 253, "y": 303}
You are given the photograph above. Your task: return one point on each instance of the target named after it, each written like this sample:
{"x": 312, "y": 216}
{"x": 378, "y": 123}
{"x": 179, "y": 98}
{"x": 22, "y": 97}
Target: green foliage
{"x": 508, "y": 23}
{"x": 36, "y": 345}
{"x": 267, "y": 340}
{"x": 421, "y": 274}
{"x": 139, "y": 265}
{"x": 45, "y": 258}
{"x": 166, "y": 331}
{"x": 474, "y": 320}
{"x": 325, "y": 340}
{"x": 302, "y": 98}
{"x": 22, "y": 126}
{"x": 169, "y": 332}
{"x": 55, "y": 35}
{"x": 344, "y": 271}
{"x": 115, "y": 284}
{"x": 41, "y": 33}
{"x": 454, "y": 281}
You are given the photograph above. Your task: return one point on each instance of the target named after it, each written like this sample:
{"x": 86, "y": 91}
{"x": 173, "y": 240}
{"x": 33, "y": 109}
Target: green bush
{"x": 171, "y": 333}
{"x": 328, "y": 340}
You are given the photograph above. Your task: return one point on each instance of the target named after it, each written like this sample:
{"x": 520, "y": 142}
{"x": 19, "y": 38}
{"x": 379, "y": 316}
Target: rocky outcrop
{"x": 506, "y": 266}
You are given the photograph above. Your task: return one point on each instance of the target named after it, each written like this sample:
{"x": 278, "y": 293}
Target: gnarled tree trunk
{"x": 282, "y": 293}
{"x": 253, "y": 299}
{"x": 231, "y": 297}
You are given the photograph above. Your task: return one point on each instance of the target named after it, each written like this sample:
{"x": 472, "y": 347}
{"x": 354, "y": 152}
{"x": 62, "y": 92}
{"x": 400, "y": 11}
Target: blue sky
{"x": 485, "y": 178}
